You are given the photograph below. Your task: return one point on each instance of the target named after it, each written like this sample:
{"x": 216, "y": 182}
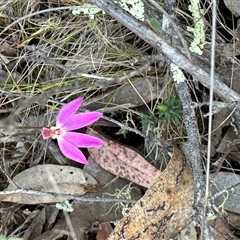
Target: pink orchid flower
{"x": 68, "y": 141}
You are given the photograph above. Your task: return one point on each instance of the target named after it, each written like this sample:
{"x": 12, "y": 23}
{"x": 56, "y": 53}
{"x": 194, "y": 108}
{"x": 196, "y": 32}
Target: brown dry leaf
{"x": 233, "y": 219}
{"x": 36, "y": 226}
{"x": 220, "y": 121}
{"x": 220, "y": 230}
{"x": 229, "y": 137}
{"x": 53, "y": 235}
{"x": 49, "y": 178}
{"x": 85, "y": 214}
{"x": 166, "y": 207}
{"x": 122, "y": 161}
{"x": 104, "y": 231}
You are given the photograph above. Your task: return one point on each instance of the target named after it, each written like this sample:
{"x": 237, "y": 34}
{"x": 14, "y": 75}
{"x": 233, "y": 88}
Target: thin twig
{"x": 61, "y": 195}
{"x": 204, "y": 227}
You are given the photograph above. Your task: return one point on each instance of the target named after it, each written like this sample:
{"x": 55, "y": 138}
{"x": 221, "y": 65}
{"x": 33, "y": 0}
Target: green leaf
{"x": 170, "y": 110}
{"x": 155, "y": 24}
{"x": 162, "y": 107}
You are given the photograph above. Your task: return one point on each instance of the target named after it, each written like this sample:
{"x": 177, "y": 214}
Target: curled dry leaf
{"x": 104, "y": 231}
{"x": 122, "y": 161}
{"x": 166, "y": 207}
{"x": 50, "y": 178}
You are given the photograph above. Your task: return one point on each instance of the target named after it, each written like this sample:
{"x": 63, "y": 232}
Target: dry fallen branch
{"x": 196, "y": 68}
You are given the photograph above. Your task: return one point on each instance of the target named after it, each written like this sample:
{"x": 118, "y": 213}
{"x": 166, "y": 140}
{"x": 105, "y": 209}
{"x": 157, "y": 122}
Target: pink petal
{"x": 68, "y": 111}
{"x": 70, "y": 151}
{"x": 82, "y": 140}
{"x": 46, "y": 133}
{"x": 81, "y": 120}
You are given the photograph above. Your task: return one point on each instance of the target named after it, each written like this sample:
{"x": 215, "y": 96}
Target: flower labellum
{"x": 68, "y": 141}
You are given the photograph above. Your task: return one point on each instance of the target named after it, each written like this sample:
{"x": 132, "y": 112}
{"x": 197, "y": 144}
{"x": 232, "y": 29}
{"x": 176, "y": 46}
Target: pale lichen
{"x": 87, "y": 9}
{"x": 199, "y": 27}
{"x": 177, "y": 73}
{"x": 134, "y": 7}
{"x": 124, "y": 193}
{"x": 66, "y": 206}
